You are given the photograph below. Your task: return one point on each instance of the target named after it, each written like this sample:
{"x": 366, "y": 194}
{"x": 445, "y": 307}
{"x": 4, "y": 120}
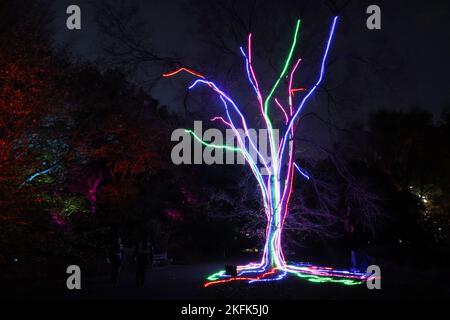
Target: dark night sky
{"x": 414, "y": 37}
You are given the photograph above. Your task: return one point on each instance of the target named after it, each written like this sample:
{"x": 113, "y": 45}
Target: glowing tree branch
{"x": 276, "y": 188}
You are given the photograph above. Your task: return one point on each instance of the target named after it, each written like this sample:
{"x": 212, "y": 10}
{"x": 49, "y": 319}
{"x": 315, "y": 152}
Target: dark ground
{"x": 182, "y": 282}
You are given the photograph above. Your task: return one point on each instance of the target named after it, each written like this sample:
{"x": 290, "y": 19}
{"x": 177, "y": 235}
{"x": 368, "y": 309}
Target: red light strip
{"x": 170, "y": 74}
{"x": 293, "y": 91}
{"x": 241, "y": 278}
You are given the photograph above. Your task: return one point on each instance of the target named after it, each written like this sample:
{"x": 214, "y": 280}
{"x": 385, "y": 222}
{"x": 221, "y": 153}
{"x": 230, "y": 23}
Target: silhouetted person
{"x": 357, "y": 242}
{"x": 115, "y": 259}
{"x": 143, "y": 257}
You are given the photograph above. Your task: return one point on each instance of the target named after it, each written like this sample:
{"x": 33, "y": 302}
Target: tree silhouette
{"x": 275, "y": 177}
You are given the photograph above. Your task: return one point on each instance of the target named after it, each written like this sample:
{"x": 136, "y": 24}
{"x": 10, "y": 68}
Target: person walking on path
{"x": 115, "y": 259}
{"x": 143, "y": 257}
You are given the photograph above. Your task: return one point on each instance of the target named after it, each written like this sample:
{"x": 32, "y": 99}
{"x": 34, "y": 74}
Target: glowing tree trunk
{"x": 276, "y": 186}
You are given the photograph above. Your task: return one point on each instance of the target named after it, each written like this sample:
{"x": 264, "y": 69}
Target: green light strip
{"x": 286, "y": 66}
{"x": 213, "y": 145}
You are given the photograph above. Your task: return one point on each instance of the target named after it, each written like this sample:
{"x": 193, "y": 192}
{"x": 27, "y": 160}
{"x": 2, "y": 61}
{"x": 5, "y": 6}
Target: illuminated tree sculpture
{"x": 276, "y": 186}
